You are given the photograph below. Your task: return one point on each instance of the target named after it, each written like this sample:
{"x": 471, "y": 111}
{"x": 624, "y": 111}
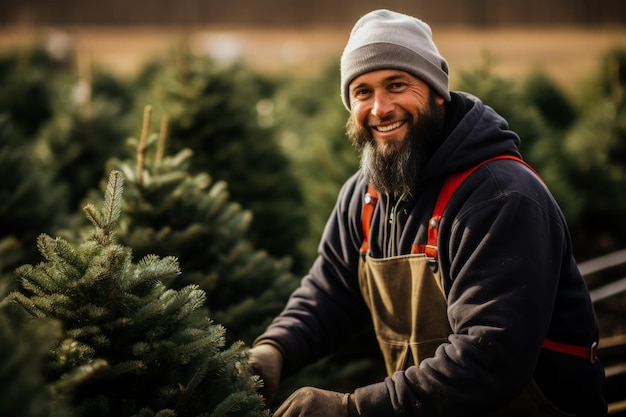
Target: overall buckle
{"x": 593, "y": 352}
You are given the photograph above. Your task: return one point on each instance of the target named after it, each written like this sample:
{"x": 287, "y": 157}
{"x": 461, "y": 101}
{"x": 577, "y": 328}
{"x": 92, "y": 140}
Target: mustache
{"x": 374, "y": 121}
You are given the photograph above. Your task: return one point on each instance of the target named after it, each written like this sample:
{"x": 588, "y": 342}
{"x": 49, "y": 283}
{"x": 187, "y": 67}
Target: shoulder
{"x": 503, "y": 177}
{"x": 503, "y": 188}
{"x": 352, "y": 192}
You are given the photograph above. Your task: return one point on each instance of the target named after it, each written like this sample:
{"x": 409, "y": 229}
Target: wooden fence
{"x": 612, "y": 349}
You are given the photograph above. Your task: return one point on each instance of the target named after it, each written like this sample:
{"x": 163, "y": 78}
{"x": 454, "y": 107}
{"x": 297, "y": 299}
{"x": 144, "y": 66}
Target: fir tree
{"x": 25, "y": 88}
{"x": 311, "y": 129}
{"x": 31, "y": 202}
{"x": 131, "y": 346}
{"x": 24, "y": 349}
{"x": 596, "y": 146}
{"x": 10, "y": 256}
{"x": 213, "y": 111}
{"x": 169, "y": 210}
{"x": 554, "y": 105}
{"x": 89, "y": 125}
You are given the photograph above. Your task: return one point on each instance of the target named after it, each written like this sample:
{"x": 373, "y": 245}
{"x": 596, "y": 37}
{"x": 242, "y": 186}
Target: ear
{"x": 439, "y": 100}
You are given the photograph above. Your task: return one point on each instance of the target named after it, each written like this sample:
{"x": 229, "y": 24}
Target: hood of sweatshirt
{"x": 477, "y": 133}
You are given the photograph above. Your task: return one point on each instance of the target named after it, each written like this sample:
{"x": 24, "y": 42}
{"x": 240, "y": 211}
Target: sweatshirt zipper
{"x": 390, "y": 227}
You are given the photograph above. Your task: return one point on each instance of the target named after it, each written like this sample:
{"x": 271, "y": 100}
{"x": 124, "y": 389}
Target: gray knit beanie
{"x": 384, "y": 39}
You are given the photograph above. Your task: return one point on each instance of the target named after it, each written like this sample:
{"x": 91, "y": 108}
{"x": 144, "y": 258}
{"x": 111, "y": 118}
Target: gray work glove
{"x": 267, "y": 362}
{"x": 315, "y": 402}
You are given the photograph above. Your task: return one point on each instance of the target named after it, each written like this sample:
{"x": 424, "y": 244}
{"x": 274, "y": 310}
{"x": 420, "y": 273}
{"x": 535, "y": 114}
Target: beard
{"x": 394, "y": 168}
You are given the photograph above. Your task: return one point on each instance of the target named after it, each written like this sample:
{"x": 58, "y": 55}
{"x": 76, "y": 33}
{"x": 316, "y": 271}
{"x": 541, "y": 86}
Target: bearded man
{"x": 449, "y": 244}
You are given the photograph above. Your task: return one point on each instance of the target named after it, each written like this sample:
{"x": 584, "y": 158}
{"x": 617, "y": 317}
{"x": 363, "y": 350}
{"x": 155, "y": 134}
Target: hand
{"x": 267, "y": 362}
{"x": 315, "y": 402}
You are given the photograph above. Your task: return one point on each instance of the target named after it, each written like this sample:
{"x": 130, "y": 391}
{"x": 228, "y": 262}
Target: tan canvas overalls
{"x": 409, "y": 312}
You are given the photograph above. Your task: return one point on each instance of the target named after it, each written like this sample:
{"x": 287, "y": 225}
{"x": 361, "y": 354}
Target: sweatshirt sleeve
{"x": 327, "y": 308}
{"x": 503, "y": 247}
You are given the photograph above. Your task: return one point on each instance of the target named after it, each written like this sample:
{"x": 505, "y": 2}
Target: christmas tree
{"x": 30, "y": 201}
{"x": 168, "y": 210}
{"x": 24, "y": 350}
{"x": 89, "y": 125}
{"x": 311, "y": 128}
{"x": 130, "y": 345}
{"x": 25, "y": 87}
{"x": 215, "y": 111}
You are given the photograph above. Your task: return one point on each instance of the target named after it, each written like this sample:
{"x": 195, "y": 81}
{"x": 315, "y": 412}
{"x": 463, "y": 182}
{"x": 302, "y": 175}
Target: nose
{"x": 383, "y": 104}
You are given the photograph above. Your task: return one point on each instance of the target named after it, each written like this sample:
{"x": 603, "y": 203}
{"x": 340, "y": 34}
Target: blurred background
{"x": 560, "y": 36}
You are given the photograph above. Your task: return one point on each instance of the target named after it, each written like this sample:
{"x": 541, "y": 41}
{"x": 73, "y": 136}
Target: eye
{"x": 362, "y": 93}
{"x": 397, "y": 86}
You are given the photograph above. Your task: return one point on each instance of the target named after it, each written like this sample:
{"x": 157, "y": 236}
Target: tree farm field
{"x": 569, "y": 55}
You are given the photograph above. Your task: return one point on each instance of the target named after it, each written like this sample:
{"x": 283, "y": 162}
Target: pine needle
{"x": 113, "y": 199}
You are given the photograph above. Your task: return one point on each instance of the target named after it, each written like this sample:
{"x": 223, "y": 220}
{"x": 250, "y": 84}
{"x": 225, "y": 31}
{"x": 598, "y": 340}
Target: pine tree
{"x": 24, "y": 350}
{"x": 169, "y": 210}
{"x": 213, "y": 111}
{"x": 311, "y": 129}
{"x": 596, "y": 146}
{"x": 25, "y": 88}
{"x": 10, "y": 255}
{"x": 89, "y": 124}
{"x": 556, "y": 108}
{"x": 131, "y": 346}
{"x": 31, "y": 202}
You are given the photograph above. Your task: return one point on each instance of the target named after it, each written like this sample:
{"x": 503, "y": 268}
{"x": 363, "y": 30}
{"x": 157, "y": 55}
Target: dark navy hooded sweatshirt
{"x": 509, "y": 275}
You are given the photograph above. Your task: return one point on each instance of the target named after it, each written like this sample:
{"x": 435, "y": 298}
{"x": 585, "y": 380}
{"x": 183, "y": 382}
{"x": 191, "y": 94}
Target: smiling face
{"x": 395, "y": 121}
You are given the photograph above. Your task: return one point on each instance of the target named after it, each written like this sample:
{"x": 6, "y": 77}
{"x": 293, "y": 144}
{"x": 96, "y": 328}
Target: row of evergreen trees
{"x": 146, "y": 306}
{"x": 124, "y": 342}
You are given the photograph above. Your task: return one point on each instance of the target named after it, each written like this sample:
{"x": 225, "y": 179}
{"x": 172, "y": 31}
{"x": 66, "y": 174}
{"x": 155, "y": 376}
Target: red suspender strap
{"x": 589, "y": 353}
{"x": 430, "y": 249}
{"x": 369, "y": 204}
{"x": 447, "y": 190}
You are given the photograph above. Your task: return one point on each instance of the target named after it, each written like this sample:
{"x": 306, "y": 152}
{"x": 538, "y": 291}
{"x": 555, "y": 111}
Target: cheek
{"x": 359, "y": 114}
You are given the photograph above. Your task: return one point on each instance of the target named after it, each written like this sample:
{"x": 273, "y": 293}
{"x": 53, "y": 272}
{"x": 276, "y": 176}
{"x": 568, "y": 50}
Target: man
{"x": 478, "y": 305}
